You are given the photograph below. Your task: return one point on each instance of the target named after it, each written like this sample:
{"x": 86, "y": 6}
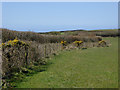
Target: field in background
{"x": 89, "y": 68}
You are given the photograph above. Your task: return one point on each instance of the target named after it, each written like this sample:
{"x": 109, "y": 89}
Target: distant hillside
{"x": 102, "y": 32}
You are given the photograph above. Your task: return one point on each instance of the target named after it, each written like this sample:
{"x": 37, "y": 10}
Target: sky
{"x": 59, "y": 16}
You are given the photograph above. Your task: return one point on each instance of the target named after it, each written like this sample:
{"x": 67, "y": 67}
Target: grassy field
{"x": 89, "y": 68}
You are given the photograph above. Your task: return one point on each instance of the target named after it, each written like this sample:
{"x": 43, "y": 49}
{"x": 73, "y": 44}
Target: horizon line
{"x": 61, "y": 30}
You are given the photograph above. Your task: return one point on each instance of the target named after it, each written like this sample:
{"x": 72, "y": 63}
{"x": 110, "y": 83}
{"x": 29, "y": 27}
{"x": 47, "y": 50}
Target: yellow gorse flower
{"x": 14, "y": 42}
{"x": 78, "y": 42}
{"x": 9, "y": 41}
{"x": 101, "y": 41}
{"x": 3, "y": 44}
{"x": 63, "y": 42}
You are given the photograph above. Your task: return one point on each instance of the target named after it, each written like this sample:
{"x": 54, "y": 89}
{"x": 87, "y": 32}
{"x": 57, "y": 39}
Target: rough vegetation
{"x": 40, "y": 38}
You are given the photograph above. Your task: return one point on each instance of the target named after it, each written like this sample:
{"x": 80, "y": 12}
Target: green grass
{"x": 90, "y": 68}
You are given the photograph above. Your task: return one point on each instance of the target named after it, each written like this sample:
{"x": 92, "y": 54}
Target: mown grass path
{"x": 90, "y": 68}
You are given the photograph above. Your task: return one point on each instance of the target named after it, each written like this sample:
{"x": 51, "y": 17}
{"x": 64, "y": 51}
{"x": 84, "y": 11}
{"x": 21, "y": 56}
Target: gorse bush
{"x": 14, "y": 42}
{"x": 16, "y": 53}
